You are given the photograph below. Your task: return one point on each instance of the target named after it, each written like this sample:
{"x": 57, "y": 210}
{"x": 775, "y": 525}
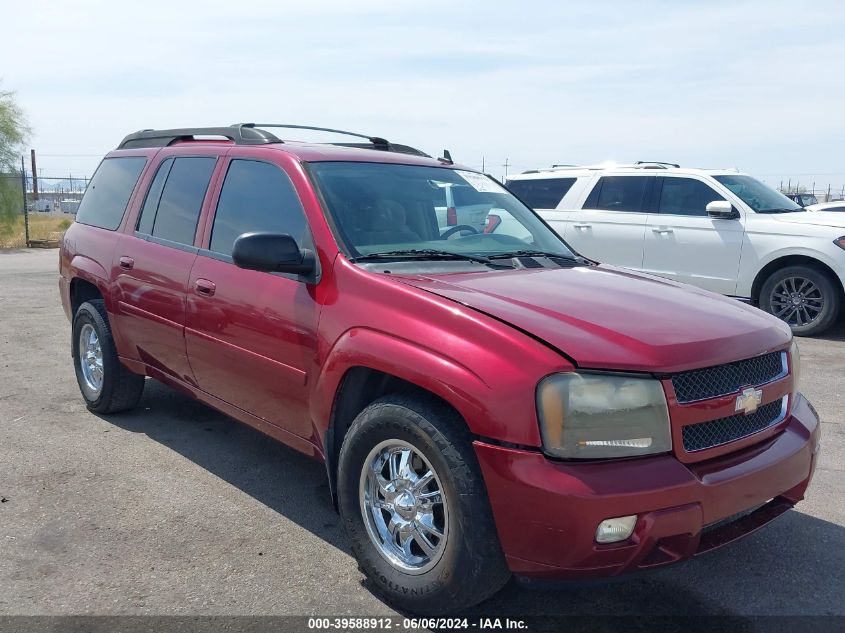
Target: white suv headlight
{"x": 594, "y": 416}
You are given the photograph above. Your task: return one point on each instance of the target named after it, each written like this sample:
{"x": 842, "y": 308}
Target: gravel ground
{"x": 176, "y": 509}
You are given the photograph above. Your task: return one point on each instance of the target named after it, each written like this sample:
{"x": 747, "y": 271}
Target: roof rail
{"x": 162, "y": 138}
{"x": 252, "y": 134}
{"x": 655, "y": 164}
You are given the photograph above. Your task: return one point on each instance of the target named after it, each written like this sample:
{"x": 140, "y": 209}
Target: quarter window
{"x": 685, "y": 196}
{"x": 108, "y": 193}
{"x": 619, "y": 193}
{"x": 545, "y": 193}
{"x": 174, "y": 202}
{"x": 256, "y": 197}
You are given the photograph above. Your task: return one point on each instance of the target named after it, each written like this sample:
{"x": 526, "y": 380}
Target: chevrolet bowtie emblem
{"x": 749, "y": 400}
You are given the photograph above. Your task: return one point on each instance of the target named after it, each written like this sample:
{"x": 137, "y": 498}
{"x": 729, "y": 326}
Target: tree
{"x": 13, "y": 132}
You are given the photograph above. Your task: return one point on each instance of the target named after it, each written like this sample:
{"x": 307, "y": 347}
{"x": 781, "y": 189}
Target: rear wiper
{"x": 533, "y": 253}
{"x": 428, "y": 253}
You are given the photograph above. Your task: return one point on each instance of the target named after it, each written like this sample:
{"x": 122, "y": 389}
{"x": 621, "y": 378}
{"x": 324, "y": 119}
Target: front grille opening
{"x": 704, "y": 435}
{"x": 701, "y": 384}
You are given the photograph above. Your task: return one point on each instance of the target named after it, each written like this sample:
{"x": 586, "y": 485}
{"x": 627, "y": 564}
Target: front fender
{"x": 503, "y": 410}
{"x": 838, "y": 267}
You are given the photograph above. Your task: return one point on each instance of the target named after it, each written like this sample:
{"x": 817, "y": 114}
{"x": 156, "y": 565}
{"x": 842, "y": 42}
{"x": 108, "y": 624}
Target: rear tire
{"x": 803, "y": 296}
{"x": 433, "y": 575}
{"x": 106, "y": 385}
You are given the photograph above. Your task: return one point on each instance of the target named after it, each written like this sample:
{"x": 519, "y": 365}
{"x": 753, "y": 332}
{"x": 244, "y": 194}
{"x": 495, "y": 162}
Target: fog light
{"x": 615, "y": 530}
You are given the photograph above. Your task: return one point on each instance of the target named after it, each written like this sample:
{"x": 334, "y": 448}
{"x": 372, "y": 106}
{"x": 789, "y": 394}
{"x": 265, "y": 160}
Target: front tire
{"x": 415, "y": 508}
{"x": 106, "y": 385}
{"x": 802, "y": 296}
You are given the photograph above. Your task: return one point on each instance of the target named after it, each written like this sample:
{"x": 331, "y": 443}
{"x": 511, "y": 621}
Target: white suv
{"x": 717, "y": 229}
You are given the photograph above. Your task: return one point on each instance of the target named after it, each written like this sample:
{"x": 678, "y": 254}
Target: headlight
{"x": 592, "y": 416}
{"x": 794, "y": 367}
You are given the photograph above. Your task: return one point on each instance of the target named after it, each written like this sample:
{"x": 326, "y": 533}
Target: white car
{"x": 463, "y": 207}
{"x": 828, "y": 206}
{"x": 717, "y": 229}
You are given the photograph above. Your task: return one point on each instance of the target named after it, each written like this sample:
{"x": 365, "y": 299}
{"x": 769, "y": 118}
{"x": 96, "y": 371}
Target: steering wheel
{"x": 460, "y": 227}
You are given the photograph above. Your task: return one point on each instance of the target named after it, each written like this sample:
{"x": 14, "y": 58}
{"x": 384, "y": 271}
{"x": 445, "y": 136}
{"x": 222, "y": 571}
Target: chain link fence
{"x": 30, "y": 220}
{"x": 823, "y": 193}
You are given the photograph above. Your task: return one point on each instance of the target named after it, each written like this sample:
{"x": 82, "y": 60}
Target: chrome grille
{"x": 704, "y": 435}
{"x": 701, "y": 384}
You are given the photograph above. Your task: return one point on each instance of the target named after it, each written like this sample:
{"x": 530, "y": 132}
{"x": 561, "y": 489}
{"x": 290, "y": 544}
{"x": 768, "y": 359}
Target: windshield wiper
{"x": 535, "y": 253}
{"x": 428, "y": 253}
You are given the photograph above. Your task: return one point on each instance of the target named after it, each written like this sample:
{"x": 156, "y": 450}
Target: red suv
{"x": 486, "y": 401}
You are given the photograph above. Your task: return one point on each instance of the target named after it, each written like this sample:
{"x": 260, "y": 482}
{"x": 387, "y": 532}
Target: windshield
{"x": 761, "y": 198}
{"x": 428, "y": 212}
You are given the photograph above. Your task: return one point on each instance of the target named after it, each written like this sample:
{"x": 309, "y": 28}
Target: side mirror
{"x": 721, "y": 210}
{"x": 272, "y": 253}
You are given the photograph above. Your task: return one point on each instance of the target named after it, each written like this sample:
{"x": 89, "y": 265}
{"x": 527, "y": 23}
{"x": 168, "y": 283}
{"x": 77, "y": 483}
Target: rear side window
{"x": 541, "y": 194}
{"x": 148, "y": 212}
{"x": 685, "y": 196}
{"x": 108, "y": 193}
{"x": 174, "y": 202}
{"x": 619, "y": 193}
{"x": 256, "y": 197}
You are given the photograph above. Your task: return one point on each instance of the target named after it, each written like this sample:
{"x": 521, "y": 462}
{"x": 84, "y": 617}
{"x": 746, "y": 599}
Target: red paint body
{"x": 272, "y": 352}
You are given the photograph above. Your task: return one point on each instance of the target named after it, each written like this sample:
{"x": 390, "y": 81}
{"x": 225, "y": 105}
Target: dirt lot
{"x": 42, "y": 227}
{"x": 176, "y": 509}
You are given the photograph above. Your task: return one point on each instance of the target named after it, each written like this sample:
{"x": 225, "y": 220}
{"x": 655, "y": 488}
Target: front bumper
{"x": 546, "y": 512}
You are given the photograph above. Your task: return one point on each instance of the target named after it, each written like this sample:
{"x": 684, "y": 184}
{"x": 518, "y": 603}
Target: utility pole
{"x": 506, "y": 165}
{"x": 483, "y": 170}
{"x": 34, "y": 176}
{"x": 25, "y": 211}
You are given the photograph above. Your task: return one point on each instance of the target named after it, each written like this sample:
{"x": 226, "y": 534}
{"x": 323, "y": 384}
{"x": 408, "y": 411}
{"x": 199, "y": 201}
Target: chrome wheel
{"x": 91, "y": 359}
{"x": 797, "y": 300}
{"x": 404, "y": 508}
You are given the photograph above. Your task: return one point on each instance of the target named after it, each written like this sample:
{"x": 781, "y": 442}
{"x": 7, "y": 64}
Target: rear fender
{"x": 82, "y": 267}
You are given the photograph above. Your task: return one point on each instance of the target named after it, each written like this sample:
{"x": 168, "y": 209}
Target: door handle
{"x": 582, "y": 226}
{"x": 205, "y": 287}
{"x": 662, "y": 230}
{"x": 127, "y": 263}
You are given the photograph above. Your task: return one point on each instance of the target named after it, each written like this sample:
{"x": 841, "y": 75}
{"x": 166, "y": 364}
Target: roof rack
{"x": 375, "y": 142}
{"x": 640, "y": 164}
{"x": 253, "y": 134}
{"x": 655, "y": 164}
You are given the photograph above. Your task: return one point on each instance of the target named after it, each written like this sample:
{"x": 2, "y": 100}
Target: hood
{"x": 817, "y": 218}
{"x": 604, "y": 317}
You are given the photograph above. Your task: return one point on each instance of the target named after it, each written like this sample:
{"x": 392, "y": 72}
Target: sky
{"x": 755, "y": 85}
